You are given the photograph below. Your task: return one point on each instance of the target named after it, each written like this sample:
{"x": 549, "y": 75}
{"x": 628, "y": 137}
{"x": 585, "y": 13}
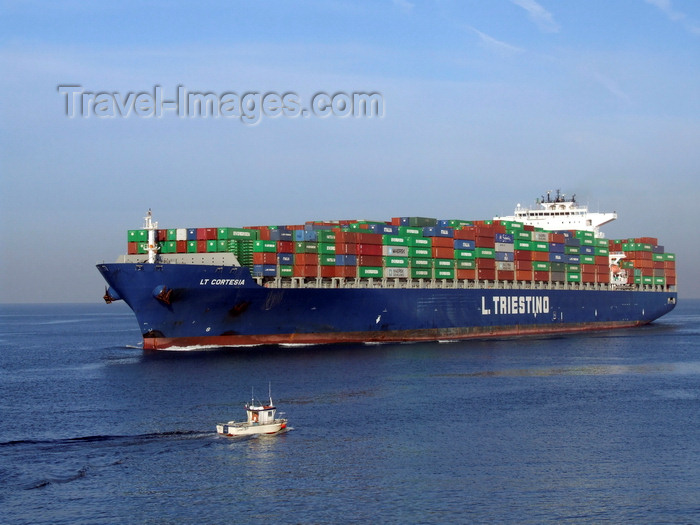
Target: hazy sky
{"x": 486, "y": 104}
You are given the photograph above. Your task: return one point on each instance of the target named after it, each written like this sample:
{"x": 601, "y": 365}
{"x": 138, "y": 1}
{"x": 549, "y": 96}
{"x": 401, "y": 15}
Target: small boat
{"x": 261, "y": 420}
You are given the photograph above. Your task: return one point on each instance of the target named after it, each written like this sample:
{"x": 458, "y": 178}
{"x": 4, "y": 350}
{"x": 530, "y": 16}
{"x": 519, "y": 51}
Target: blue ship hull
{"x": 185, "y": 305}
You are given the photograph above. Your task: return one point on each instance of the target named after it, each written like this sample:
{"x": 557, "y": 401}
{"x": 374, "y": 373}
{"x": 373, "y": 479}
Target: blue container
{"x": 556, "y": 247}
{"x": 345, "y": 260}
{"x": 281, "y": 235}
{"x": 434, "y": 231}
{"x": 461, "y": 244}
{"x": 505, "y": 238}
{"x": 285, "y": 259}
{"x": 504, "y": 256}
{"x": 557, "y": 257}
{"x": 587, "y": 250}
{"x": 572, "y": 259}
{"x": 191, "y": 234}
{"x": 572, "y": 241}
{"x": 264, "y": 270}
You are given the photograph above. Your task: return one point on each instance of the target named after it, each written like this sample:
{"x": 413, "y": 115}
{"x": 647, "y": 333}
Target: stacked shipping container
{"x": 422, "y": 248}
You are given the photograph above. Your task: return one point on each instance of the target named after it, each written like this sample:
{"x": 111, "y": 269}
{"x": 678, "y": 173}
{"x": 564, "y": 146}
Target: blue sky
{"x": 486, "y": 104}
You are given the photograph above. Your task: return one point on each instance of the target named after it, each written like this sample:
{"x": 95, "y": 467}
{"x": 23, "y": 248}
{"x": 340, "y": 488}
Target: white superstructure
{"x": 560, "y": 213}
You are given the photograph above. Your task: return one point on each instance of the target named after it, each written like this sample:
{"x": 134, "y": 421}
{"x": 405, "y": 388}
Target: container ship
{"x": 545, "y": 269}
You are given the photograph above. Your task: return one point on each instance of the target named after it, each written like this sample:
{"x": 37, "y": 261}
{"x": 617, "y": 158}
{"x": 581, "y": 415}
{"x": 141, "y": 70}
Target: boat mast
{"x": 151, "y": 227}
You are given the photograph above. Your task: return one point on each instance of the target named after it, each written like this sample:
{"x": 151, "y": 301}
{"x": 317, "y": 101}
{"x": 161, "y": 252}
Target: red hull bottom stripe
{"x": 397, "y": 336}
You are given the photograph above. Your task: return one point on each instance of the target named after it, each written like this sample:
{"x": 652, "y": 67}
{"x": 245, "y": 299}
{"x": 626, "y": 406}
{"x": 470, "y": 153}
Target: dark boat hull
{"x": 184, "y": 305}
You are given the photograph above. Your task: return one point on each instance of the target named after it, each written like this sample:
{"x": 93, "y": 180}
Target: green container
{"x": 465, "y": 264}
{"x": 243, "y": 234}
{"x": 142, "y": 247}
{"x": 222, "y": 234}
{"x": 172, "y": 234}
{"x": 421, "y": 273}
{"x": 444, "y": 264}
{"x": 422, "y": 242}
{"x": 408, "y": 231}
{"x": 444, "y": 273}
{"x": 541, "y": 266}
{"x": 539, "y": 246}
{"x": 582, "y": 234}
{"x": 327, "y": 236}
{"x": 168, "y": 247}
{"x": 660, "y": 281}
{"x": 602, "y": 243}
{"x": 414, "y": 251}
{"x": 212, "y": 246}
{"x": 305, "y": 247}
{"x": 325, "y": 248}
{"x": 366, "y": 272}
{"x": 465, "y": 254}
{"x": 396, "y": 262}
{"x": 573, "y": 277}
{"x": 524, "y": 245}
{"x": 394, "y": 240}
{"x": 421, "y": 263}
{"x": 326, "y": 260}
{"x": 422, "y": 222}
{"x": 601, "y": 251}
{"x": 669, "y": 256}
{"x": 585, "y": 241}
{"x": 265, "y": 246}
{"x": 557, "y": 266}
{"x": 137, "y": 235}
{"x": 588, "y": 259}
{"x": 485, "y": 253}
{"x": 522, "y": 235}
{"x": 286, "y": 271}
{"x": 191, "y": 246}
{"x": 573, "y": 268}
{"x": 572, "y": 250}
{"x": 222, "y": 245}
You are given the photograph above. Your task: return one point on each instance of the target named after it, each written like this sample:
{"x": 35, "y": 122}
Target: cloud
{"x": 496, "y": 46}
{"x": 676, "y": 16}
{"x": 539, "y": 15}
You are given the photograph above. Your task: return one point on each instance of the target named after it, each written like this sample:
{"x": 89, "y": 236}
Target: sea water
{"x": 596, "y": 428}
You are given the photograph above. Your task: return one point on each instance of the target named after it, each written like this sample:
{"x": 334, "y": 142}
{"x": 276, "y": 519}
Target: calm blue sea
{"x": 597, "y": 428}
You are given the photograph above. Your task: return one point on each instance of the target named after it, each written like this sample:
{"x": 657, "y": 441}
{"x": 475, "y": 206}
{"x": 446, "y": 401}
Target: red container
{"x": 523, "y": 265}
{"x": 443, "y": 242}
{"x": 603, "y": 278}
{"x": 306, "y": 259}
{"x": 523, "y": 275}
{"x": 161, "y": 235}
{"x": 370, "y": 260}
{"x": 588, "y": 277}
{"x": 671, "y": 280}
{"x": 132, "y": 248}
{"x": 523, "y": 255}
{"x": 466, "y": 274}
{"x": 201, "y": 246}
{"x": 557, "y": 237}
{"x": 345, "y": 271}
{"x": 306, "y": 270}
{"x": 602, "y": 259}
{"x": 181, "y": 247}
{"x": 440, "y": 252}
{"x": 540, "y": 256}
{"x": 369, "y": 249}
{"x": 485, "y": 264}
{"x": 485, "y": 242}
{"x": 468, "y": 233}
{"x": 328, "y": 271}
{"x": 342, "y": 237}
{"x": 264, "y": 258}
{"x": 506, "y": 275}
{"x": 345, "y": 248}
{"x": 369, "y": 238}
{"x": 540, "y": 276}
{"x": 486, "y": 274}
{"x": 285, "y": 246}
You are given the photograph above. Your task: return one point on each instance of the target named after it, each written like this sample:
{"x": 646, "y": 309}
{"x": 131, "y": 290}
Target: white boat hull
{"x": 234, "y": 429}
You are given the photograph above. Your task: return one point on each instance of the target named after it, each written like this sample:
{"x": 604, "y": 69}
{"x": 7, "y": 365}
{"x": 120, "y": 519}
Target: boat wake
{"x": 182, "y": 434}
